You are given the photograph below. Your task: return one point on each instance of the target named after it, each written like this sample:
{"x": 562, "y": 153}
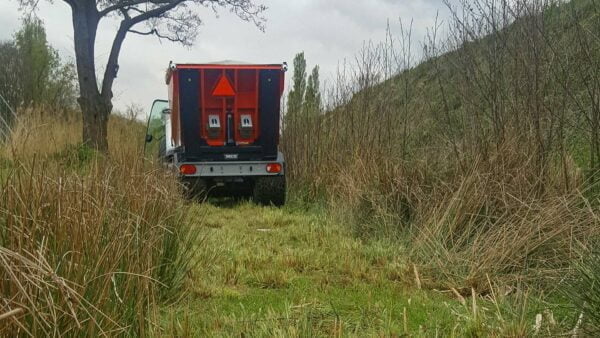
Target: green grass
{"x": 295, "y": 272}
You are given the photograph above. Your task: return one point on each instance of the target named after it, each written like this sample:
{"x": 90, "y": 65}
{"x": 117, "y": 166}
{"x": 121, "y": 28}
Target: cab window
{"x": 155, "y": 130}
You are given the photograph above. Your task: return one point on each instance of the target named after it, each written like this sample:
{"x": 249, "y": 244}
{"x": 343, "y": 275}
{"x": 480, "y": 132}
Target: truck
{"x": 220, "y": 128}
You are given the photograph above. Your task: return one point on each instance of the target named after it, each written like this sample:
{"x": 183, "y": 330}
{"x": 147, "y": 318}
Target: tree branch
{"x": 124, "y": 4}
{"x": 154, "y": 31}
{"x": 112, "y": 65}
{"x": 156, "y": 11}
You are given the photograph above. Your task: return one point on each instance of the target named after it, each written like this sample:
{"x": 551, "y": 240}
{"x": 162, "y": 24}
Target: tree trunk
{"x": 94, "y": 107}
{"x": 95, "y": 121}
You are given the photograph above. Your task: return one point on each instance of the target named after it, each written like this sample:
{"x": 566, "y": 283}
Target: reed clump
{"x": 89, "y": 244}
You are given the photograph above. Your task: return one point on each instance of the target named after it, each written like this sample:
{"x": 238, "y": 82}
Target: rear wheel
{"x": 195, "y": 188}
{"x": 270, "y": 190}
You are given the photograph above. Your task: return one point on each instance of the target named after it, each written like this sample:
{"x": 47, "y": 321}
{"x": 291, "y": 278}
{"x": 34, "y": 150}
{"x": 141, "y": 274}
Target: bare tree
{"x": 172, "y": 20}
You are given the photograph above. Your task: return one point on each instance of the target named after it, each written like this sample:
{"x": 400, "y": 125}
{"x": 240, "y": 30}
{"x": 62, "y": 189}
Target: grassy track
{"x": 291, "y": 272}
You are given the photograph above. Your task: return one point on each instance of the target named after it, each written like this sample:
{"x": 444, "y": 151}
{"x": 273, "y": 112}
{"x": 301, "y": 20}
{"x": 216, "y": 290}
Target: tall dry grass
{"x": 89, "y": 244}
{"x": 462, "y": 228}
{"x": 480, "y": 159}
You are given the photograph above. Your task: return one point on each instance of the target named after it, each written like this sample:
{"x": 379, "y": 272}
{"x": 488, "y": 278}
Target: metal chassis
{"x": 233, "y": 169}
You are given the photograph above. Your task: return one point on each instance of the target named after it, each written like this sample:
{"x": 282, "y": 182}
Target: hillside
{"x": 471, "y": 90}
{"x": 483, "y": 157}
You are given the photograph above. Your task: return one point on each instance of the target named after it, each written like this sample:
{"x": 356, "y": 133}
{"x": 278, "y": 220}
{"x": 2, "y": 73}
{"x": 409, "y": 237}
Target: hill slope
{"x": 484, "y": 157}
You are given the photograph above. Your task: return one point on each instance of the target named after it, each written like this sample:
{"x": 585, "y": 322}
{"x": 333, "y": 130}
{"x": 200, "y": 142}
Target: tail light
{"x": 187, "y": 169}
{"x": 273, "y": 168}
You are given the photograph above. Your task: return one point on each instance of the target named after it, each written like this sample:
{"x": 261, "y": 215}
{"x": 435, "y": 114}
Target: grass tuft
{"x": 583, "y": 290}
{"x": 89, "y": 244}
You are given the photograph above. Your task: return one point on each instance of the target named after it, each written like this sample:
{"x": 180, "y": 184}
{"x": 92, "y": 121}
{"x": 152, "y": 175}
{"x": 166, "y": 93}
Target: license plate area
{"x": 237, "y": 169}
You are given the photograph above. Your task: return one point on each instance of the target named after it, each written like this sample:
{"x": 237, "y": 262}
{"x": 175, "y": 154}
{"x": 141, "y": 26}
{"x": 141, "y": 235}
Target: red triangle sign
{"x": 223, "y": 88}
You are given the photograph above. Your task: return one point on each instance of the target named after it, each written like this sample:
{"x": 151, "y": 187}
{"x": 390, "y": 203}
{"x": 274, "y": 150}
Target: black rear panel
{"x": 268, "y": 106}
{"x": 189, "y": 102}
{"x": 196, "y": 148}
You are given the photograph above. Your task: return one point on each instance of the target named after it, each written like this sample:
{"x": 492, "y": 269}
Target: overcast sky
{"x": 328, "y": 31}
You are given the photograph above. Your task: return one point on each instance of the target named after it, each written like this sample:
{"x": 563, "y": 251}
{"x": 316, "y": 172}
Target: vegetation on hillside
{"x": 32, "y": 73}
{"x": 482, "y": 158}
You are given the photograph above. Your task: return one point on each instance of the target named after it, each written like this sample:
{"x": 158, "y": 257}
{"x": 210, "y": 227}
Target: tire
{"x": 269, "y": 190}
{"x": 195, "y": 189}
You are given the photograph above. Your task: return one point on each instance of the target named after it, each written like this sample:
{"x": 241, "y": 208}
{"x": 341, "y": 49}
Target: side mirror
{"x": 166, "y": 111}
{"x": 149, "y": 138}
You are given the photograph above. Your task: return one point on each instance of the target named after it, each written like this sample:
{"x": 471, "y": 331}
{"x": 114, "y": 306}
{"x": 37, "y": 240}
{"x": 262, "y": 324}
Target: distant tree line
{"x": 32, "y": 73}
{"x": 304, "y": 97}
{"x": 304, "y": 110}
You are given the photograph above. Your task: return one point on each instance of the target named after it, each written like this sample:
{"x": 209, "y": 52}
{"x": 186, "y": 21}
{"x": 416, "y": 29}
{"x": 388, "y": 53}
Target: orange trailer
{"x": 221, "y": 128}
